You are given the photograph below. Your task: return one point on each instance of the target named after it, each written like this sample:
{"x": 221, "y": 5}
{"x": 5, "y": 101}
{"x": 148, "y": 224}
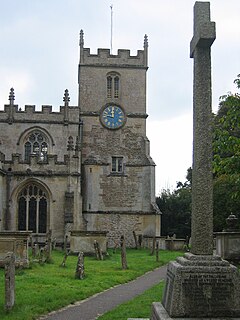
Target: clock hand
{"x": 112, "y": 112}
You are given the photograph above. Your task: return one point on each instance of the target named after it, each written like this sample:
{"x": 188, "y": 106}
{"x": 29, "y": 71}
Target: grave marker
{"x": 9, "y": 281}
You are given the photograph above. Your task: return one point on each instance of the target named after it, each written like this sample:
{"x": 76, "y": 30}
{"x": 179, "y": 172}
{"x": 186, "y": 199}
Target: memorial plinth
{"x": 16, "y": 242}
{"x": 200, "y": 286}
{"x": 83, "y": 241}
{"x": 228, "y": 245}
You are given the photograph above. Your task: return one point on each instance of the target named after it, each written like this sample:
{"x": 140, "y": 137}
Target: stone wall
{"x": 117, "y": 224}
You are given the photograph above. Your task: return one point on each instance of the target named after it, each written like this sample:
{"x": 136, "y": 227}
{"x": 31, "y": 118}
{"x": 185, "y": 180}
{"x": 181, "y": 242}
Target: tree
{"x": 176, "y": 205}
{"x": 176, "y": 209}
{"x": 226, "y": 158}
{"x": 226, "y": 135}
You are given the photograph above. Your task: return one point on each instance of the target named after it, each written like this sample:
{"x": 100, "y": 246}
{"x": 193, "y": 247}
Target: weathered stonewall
{"x": 201, "y": 285}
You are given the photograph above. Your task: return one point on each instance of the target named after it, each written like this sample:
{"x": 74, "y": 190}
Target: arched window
{"x": 116, "y": 87}
{"x": 36, "y": 143}
{"x": 32, "y": 209}
{"x": 113, "y": 86}
{"x": 109, "y": 87}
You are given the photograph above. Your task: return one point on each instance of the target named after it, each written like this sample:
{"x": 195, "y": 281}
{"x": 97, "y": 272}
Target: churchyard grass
{"x": 139, "y": 307}
{"x": 43, "y": 288}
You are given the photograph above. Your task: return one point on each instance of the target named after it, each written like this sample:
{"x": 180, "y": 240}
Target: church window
{"x": 109, "y": 87}
{"x": 32, "y": 209}
{"x": 117, "y": 164}
{"x": 116, "y": 87}
{"x": 113, "y": 86}
{"x": 36, "y": 144}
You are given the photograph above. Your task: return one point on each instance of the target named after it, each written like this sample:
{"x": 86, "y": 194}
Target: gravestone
{"x": 79, "y": 274}
{"x": 201, "y": 285}
{"x": 16, "y": 242}
{"x": 83, "y": 241}
{"x": 9, "y": 280}
{"x": 48, "y": 246}
{"x": 228, "y": 241}
{"x": 98, "y": 251}
{"x": 123, "y": 253}
{"x": 66, "y": 254}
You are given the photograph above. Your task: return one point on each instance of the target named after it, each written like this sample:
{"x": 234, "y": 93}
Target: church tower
{"x": 118, "y": 186}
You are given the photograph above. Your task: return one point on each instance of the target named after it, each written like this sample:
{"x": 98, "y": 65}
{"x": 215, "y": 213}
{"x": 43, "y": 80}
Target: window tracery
{"x": 32, "y": 209}
{"x": 36, "y": 144}
{"x": 113, "y": 86}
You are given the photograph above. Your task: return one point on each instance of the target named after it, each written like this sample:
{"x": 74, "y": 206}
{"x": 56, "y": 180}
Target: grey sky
{"x": 39, "y": 55}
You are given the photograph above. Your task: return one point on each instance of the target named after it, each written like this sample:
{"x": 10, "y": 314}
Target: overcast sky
{"x": 39, "y": 56}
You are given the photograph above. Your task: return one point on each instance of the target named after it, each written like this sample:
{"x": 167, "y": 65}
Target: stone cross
{"x": 202, "y": 201}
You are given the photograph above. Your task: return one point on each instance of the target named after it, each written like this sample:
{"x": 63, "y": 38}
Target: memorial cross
{"x": 202, "y": 201}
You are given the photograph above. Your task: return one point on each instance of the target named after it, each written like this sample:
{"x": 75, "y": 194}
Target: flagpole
{"x": 111, "y": 6}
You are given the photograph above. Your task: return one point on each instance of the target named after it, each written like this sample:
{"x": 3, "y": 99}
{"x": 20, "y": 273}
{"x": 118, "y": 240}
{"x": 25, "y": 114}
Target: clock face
{"x": 112, "y": 117}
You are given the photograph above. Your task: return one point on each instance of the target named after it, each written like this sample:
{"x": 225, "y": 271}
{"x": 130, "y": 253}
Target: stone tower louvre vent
{"x": 104, "y": 58}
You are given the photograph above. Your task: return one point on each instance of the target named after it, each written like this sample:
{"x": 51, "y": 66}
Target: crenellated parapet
{"x": 13, "y": 113}
{"x": 122, "y": 59}
{"x": 51, "y": 166}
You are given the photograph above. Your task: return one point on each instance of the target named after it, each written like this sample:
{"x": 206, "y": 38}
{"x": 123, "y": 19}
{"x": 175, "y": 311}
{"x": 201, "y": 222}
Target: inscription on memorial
{"x": 169, "y": 289}
{"x": 207, "y": 292}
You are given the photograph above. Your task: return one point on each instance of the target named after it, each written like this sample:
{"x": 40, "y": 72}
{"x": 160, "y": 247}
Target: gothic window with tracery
{"x": 36, "y": 144}
{"x": 32, "y": 209}
{"x": 113, "y": 86}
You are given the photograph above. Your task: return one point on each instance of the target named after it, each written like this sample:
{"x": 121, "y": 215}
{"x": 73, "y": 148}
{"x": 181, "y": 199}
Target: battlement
{"x": 50, "y": 166}
{"x": 12, "y": 113}
{"x": 104, "y": 57}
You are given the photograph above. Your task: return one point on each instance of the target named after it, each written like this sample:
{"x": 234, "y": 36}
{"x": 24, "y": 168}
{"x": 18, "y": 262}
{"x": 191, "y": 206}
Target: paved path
{"x": 100, "y": 303}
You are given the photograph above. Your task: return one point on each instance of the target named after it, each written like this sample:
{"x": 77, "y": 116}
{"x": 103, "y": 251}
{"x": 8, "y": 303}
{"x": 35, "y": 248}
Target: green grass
{"x": 43, "y": 288}
{"x": 139, "y": 307}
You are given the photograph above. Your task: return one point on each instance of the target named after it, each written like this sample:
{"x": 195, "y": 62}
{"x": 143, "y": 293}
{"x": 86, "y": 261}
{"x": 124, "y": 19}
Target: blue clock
{"x": 112, "y": 117}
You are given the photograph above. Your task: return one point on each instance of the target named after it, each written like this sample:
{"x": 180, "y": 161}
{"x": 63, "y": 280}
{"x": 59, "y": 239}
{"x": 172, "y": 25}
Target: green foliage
{"x": 176, "y": 209}
{"x": 226, "y": 135}
{"x": 47, "y": 287}
{"x": 225, "y": 200}
{"x": 226, "y": 158}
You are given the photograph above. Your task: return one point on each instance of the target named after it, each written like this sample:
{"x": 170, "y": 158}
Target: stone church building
{"x": 85, "y": 167}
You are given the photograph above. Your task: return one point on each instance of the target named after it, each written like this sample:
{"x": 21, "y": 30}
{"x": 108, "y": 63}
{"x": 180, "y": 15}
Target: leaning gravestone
{"x": 201, "y": 285}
